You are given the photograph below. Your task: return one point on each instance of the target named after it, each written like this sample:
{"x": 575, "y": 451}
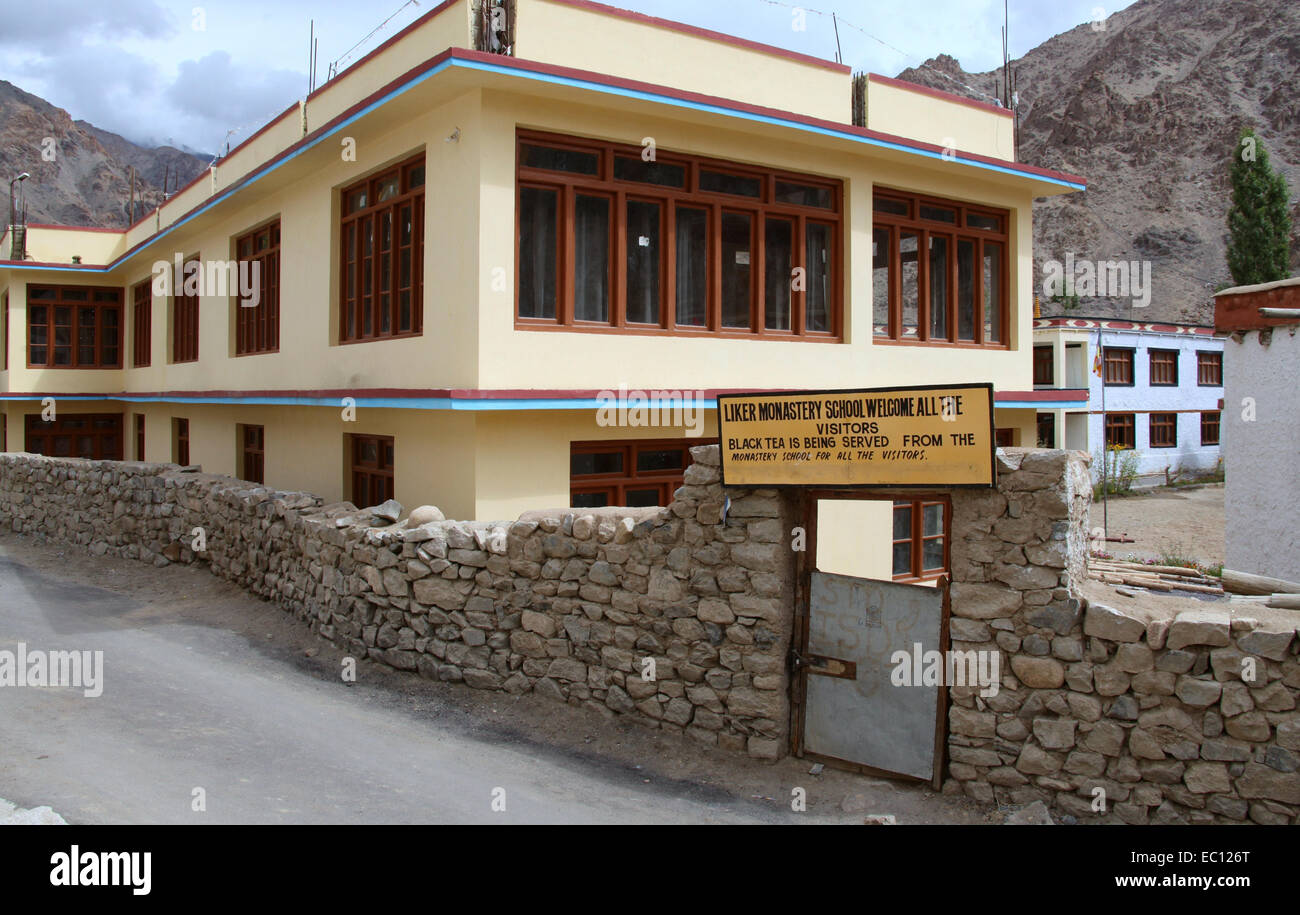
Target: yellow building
{"x": 465, "y": 239}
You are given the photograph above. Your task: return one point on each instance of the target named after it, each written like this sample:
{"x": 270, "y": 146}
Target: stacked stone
{"x": 676, "y": 621}
{"x": 1158, "y": 715}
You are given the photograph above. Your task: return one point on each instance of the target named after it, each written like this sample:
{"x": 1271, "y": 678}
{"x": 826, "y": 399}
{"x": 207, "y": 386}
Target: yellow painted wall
{"x": 855, "y": 537}
{"x": 906, "y": 113}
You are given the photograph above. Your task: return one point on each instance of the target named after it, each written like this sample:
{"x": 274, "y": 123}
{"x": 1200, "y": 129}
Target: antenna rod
{"x": 311, "y": 43}
{"x": 839, "y": 57}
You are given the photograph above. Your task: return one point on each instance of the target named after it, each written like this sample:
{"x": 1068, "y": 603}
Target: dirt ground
{"x": 623, "y": 751}
{"x": 1165, "y": 523}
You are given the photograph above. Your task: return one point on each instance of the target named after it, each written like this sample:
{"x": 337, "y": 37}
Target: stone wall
{"x": 571, "y": 607}
{"x": 1150, "y": 707}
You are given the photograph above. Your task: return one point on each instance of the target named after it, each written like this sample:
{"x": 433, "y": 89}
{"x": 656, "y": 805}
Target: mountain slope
{"x": 87, "y": 183}
{"x": 1148, "y": 110}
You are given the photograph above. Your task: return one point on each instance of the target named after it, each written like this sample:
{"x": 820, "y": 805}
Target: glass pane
{"x": 992, "y": 292}
{"x": 908, "y": 254}
{"x": 889, "y": 205}
{"x": 724, "y": 183}
{"x": 981, "y": 221}
{"x": 932, "y": 554}
{"x": 388, "y": 189}
{"x": 642, "y": 498}
{"x": 590, "y": 499}
{"x": 666, "y": 174}
{"x": 818, "y": 258}
{"x": 902, "y": 521}
{"x": 75, "y": 295}
{"x": 778, "y": 266}
{"x": 357, "y": 200}
{"x": 939, "y": 214}
{"x": 965, "y": 289}
{"x": 644, "y": 248}
{"x": 415, "y": 177}
{"x": 692, "y": 266}
{"x": 538, "y": 212}
{"x": 582, "y": 465}
{"x": 880, "y": 264}
{"x": 903, "y": 558}
{"x": 737, "y": 271}
{"x": 938, "y": 288}
{"x": 40, "y": 293}
{"x": 369, "y": 452}
{"x": 808, "y": 195}
{"x": 659, "y": 460}
{"x": 591, "y": 258}
{"x": 931, "y": 520}
{"x": 579, "y": 162}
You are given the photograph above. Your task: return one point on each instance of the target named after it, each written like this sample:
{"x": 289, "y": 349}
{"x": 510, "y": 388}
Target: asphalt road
{"x": 189, "y": 705}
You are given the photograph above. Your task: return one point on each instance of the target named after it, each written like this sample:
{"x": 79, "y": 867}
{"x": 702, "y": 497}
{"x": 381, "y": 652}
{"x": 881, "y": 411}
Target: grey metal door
{"x": 852, "y": 711}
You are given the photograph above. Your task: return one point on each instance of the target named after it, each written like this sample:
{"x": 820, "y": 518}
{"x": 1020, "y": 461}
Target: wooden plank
{"x": 1246, "y": 583}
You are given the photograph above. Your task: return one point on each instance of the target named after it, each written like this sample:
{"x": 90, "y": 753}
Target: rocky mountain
{"x": 79, "y": 173}
{"x": 1147, "y": 106}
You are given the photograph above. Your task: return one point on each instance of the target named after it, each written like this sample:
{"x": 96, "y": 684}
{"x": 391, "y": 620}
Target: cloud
{"x": 216, "y": 89}
{"x": 49, "y": 26}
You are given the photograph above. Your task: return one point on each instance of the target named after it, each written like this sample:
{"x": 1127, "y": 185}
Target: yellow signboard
{"x": 911, "y": 436}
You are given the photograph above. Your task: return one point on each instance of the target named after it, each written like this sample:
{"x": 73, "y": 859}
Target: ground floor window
{"x": 1120, "y": 430}
{"x": 1046, "y": 430}
{"x": 635, "y": 474}
{"x": 371, "y": 468}
{"x": 1210, "y": 427}
{"x": 252, "y": 453}
{"x": 181, "y": 441}
{"x": 139, "y": 436}
{"x": 1164, "y": 430}
{"x": 1004, "y": 438}
{"x": 97, "y": 436}
{"x": 920, "y": 539}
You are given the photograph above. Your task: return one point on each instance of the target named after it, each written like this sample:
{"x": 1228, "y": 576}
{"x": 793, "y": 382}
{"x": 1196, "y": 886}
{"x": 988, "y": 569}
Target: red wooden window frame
{"x": 899, "y": 213}
{"x": 610, "y": 179}
{"x": 1210, "y": 427}
{"x": 1117, "y": 362}
{"x": 257, "y": 329}
{"x": 1004, "y": 438}
{"x": 1209, "y": 369}
{"x": 141, "y": 323}
{"x": 1046, "y": 431}
{"x": 1163, "y": 367}
{"x": 139, "y": 436}
{"x": 368, "y": 310}
{"x": 1044, "y": 359}
{"x": 181, "y": 440}
{"x": 96, "y": 436}
{"x": 1121, "y": 429}
{"x": 4, "y": 317}
{"x": 252, "y": 453}
{"x": 1162, "y": 430}
{"x": 372, "y": 478}
{"x": 97, "y": 309}
{"x": 917, "y": 537}
{"x": 185, "y": 317}
{"x": 614, "y": 485}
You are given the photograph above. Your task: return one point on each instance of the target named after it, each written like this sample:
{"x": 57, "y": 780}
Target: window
{"x": 1164, "y": 430}
{"x": 139, "y": 436}
{"x": 141, "y": 321}
{"x": 4, "y": 320}
{"x": 181, "y": 441}
{"x": 382, "y": 262}
{"x": 1209, "y": 369}
{"x": 372, "y": 469}
{"x": 1046, "y": 430}
{"x": 252, "y": 453}
{"x": 1118, "y": 365}
{"x": 634, "y": 474}
{"x": 1210, "y": 427}
{"x": 939, "y": 271}
{"x": 609, "y": 242}
{"x": 257, "y": 328}
{"x": 74, "y": 327}
{"x": 1043, "y": 365}
{"x": 1120, "y": 430}
{"x": 97, "y": 436}
{"x": 1164, "y": 367}
{"x": 185, "y": 313}
{"x": 920, "y": 539}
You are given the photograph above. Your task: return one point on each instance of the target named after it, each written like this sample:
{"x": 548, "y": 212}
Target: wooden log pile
{"x": 1152, "y": 577}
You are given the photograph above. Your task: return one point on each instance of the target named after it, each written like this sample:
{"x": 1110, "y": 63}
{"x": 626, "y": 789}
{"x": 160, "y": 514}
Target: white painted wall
{"x": 1262, "y": 455}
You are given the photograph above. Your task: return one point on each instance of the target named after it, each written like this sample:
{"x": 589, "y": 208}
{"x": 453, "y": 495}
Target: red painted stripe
{"x": 1053, "y": 394}
{"x": 939, "y": 94}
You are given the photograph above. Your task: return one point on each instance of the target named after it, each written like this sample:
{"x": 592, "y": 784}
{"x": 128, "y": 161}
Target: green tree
{"x": 1260, "y": 226}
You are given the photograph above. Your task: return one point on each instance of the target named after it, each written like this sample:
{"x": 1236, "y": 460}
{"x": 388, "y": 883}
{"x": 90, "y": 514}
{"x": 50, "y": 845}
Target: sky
{"x": 198, "y": 74}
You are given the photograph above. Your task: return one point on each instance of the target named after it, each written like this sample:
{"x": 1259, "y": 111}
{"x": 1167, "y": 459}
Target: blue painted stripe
{"x": 394, "y": 403}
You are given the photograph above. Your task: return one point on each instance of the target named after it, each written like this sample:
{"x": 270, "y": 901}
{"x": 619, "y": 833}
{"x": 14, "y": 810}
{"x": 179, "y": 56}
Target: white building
{"x": 1162, "y": 397}
{"x": 1261, "y": 426}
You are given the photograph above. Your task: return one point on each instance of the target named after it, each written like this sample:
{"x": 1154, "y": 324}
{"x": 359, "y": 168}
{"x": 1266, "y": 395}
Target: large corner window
{"x": 257, "y": 327}
{"x": 74, "y": 327}
{"x": 381, "y": 232}
{"x": 608, "y": 241}
{"x": 939, "y": 271}
{"x": 633, "y": 474}
{"x": 96, "y": 436}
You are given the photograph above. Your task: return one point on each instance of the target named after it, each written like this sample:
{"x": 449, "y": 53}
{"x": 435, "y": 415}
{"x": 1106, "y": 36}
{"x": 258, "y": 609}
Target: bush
{"x": 1121, "y": 466}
